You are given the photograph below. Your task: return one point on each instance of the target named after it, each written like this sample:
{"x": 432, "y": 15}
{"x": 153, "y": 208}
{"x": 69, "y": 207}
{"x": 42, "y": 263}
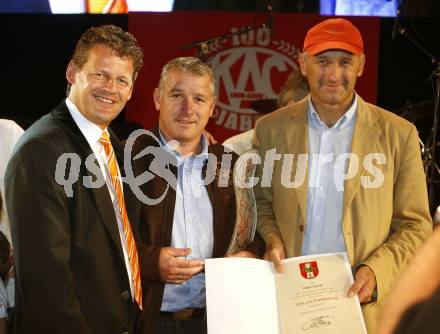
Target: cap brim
{"x": 333, "y": 45}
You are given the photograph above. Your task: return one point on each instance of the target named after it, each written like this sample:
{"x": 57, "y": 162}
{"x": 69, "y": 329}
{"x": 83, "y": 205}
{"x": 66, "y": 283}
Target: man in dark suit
{"x": 76, "y": 269}
{"x": 190, "y": 214}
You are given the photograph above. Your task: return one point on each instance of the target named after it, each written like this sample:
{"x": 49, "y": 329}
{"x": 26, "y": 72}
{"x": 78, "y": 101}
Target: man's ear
{"x": 214, "y": 101}
{"x": 156, "y": 98}
{"x": 131, "y": 92}
{"x": 71, "y": 72}
{"x": 361, "y": 65}
{"x": 302, "y": 63}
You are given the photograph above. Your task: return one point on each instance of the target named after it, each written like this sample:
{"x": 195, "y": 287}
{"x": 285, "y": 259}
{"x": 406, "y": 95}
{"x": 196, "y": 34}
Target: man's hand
{"x": 176, "y": 270}
{"x": 364, "y": 284}
{"x": 275, "y": 253}
{"x": 244, "y": 254}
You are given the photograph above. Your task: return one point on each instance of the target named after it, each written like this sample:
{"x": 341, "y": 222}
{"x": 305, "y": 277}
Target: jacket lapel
{"x": 106, "y": 210}
{"x": 158, "y": 186}
{"x": 365, "y": 137}
{"x": 103, "y": 201}
{"x": 296, "y": 139}
{"x": 217, "y": 195}
{"x": 210, "y": 190}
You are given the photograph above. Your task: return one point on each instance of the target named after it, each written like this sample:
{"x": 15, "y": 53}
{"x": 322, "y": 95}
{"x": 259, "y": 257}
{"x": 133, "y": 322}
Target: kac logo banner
{"x": 247, "y": 66}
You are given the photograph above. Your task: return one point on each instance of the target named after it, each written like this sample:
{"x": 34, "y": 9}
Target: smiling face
{"x": 185, "y": 102}
{"x": 332, "y": 76}
{"x": 102, "y": 86}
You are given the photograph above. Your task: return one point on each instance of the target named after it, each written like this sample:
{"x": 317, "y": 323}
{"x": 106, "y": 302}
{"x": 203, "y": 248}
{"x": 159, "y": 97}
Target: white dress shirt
{"x": 323, "y": 233}
{"x": 92, "y": 133}
{"x": 192, "y": 228}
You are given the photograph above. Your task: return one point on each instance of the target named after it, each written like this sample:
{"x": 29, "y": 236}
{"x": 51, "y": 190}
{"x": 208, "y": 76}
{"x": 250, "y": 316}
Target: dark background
{"x": 37, "y": 47}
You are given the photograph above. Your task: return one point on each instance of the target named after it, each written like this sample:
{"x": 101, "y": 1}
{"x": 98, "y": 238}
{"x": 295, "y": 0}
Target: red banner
{"x": 249, "y": 66}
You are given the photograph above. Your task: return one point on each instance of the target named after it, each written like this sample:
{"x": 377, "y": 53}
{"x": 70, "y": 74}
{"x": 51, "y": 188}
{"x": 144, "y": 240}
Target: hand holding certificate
{"x": 248, "y": 296}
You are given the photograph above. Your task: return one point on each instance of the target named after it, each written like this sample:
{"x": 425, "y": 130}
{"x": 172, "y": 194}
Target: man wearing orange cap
{"x": 362, "y": 165}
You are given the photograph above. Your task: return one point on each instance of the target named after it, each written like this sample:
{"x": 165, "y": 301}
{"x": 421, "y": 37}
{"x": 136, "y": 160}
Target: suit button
{"x": 301, "y": 228}
{"x": 125, "y": 295}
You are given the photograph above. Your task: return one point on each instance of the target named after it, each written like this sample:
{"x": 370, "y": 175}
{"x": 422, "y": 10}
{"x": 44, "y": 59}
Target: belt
{"x": 185, "y": 314}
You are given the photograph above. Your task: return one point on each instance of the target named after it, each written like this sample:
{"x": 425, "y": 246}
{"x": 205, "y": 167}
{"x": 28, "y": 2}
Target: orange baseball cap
{"x": 338, "y": 34}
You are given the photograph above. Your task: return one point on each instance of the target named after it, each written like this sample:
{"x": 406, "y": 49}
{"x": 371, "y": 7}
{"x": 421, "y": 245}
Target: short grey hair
{"x": 188, "y": 65}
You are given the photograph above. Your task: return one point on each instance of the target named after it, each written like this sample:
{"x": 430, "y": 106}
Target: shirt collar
{"x": 341, "y": 123}
{"x": 199, "y": 158}
{"x": 90, "y": 130}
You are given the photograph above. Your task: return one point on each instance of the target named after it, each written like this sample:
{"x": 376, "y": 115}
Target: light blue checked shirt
{"x": 323, "y": 233}
{"x": 192, "y": 228}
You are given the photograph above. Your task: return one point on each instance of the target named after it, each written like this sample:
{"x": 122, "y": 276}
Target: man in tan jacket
{"x": 347, "y": 176}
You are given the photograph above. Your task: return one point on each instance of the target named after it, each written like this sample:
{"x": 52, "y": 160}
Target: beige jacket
{"x": 382, "y": 226}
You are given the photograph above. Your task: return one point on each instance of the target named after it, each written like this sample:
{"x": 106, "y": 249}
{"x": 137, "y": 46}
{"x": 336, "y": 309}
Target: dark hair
{"x": 113, "y": 37}
{"x": 294, "y": 89}
{"x": 5, "y": 252}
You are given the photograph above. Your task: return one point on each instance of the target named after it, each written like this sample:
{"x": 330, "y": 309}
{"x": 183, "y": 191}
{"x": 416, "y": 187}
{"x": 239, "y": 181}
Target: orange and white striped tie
{"x": 106, "y": 6}
{"x": 131, "y": 245}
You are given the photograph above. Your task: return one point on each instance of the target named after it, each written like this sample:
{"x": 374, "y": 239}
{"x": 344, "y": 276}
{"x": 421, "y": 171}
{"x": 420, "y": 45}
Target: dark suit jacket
{"x": 70, "y": 270}
{"x": 156, "y": 223}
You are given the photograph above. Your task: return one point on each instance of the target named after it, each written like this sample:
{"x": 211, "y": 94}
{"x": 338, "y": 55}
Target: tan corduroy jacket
{"x": 382, "y": 226}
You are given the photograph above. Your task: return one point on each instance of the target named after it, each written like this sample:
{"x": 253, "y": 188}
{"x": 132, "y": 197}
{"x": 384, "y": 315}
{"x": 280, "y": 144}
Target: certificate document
{"x": 248, "y": 296}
